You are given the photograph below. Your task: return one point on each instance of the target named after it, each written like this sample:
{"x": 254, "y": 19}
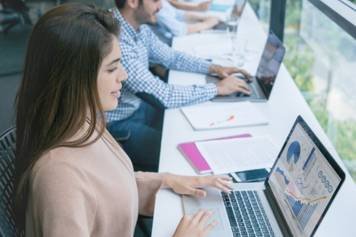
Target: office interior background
{"x": 320, "y": 56}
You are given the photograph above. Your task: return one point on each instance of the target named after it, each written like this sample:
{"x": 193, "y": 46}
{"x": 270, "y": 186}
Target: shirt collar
{"x": 124, "y": 25}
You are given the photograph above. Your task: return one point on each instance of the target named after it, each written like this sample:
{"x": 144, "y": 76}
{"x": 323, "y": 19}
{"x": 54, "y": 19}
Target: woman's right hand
{"x": 197, "y": 225}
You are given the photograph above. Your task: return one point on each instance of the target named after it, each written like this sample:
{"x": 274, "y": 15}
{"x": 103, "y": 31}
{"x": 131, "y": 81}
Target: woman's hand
{"x": 192, "y": 185}
{"x": 195, "y": 226}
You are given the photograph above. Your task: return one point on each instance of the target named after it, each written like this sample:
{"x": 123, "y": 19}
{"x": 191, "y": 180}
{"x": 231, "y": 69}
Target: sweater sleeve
{"x": 147, "y": 184}
{"x": 62, "y": 200}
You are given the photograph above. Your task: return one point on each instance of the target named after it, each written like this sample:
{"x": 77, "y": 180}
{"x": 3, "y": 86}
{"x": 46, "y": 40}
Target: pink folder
{"x": 194, "y": 157}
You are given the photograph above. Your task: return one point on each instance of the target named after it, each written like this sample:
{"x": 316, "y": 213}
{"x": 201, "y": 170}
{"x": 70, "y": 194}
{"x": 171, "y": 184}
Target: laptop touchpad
{"x": 212, "y": 202}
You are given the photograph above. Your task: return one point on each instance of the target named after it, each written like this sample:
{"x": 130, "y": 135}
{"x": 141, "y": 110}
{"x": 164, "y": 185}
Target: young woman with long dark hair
{"x": 73, "y": 179}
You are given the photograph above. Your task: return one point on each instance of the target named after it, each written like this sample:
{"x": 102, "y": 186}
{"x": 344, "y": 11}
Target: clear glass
{"x": 236, "y": 56}
{"x": 321, "y": 58}
{"x": 232, "y": 23}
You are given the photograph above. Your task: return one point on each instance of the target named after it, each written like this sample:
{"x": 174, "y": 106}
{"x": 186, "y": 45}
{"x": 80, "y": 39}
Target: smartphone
{"x": 257, "y": 175}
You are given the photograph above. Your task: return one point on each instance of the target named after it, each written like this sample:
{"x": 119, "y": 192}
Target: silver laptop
{"x": 291, "y": 202}
{"x": 236, "y": 12}
{"x": 262, "y": 83}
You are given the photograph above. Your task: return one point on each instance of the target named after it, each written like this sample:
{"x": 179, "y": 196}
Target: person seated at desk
{"x": 177, "y": 20}
{"x": 73, "y": 179}
{"x": 134, "y": 121}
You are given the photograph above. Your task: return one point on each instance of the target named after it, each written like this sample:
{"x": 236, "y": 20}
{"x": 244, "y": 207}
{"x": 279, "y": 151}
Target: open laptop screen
{"x": 270, "y": 62}
{"x": 304, "y": 180}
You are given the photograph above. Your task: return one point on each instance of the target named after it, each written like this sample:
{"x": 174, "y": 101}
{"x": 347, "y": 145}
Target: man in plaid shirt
{"x": 135, "y": 122}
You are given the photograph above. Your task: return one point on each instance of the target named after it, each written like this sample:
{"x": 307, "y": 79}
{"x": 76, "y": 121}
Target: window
{"x": 321, "y": 58}
{"x": 350, "y": 3}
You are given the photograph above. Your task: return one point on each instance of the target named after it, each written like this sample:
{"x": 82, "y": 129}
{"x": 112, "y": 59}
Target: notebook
{"x": 219, "y": 156}
{"x": 195, "y": 158}
{"x": 217, "y": 116}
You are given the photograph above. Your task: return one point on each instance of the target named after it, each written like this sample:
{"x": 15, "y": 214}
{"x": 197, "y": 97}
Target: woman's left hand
{"x": 192, "y": 185}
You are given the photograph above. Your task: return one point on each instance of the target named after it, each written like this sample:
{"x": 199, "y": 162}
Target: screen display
{"x": 303, "y": 182}
{"x": 270, "y": 62}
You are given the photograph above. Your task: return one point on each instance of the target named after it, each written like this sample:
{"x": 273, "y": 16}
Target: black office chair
{"x": 7, "y": 172}
{"x": 143, "y": 226}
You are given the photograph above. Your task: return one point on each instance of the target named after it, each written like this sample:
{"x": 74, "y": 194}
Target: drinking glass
{"x": 236, "y": 55}
{"x": 237, "y": 48}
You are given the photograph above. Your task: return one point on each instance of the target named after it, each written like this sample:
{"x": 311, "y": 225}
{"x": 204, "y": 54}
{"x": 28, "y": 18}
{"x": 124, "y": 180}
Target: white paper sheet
{"x": 224, "y": 115}
{"x": 238, "y": 154}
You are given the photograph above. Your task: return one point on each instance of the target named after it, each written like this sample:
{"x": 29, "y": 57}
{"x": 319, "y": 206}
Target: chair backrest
{"x": 7, "y": 172}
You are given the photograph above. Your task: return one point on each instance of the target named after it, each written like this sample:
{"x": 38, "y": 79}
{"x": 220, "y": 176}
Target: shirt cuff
{"x": 204, "y": 66}
{"x": 212, "y": 90}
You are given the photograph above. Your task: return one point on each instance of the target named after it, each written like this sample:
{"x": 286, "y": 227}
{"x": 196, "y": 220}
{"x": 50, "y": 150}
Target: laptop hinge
{"x": 283, "y": 225}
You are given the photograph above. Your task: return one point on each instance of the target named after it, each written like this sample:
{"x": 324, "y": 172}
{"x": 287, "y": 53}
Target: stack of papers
{"x": 227, "y": 115}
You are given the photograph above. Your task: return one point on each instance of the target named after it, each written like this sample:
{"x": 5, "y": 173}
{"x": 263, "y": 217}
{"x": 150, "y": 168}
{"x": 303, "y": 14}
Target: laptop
{"x": 293, "y": 199}
{"x": 236, "y": 12}
{"x": 262, "y": 83}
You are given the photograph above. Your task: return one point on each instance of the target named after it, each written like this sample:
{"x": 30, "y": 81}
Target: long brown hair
{"x": 58, "y": 92}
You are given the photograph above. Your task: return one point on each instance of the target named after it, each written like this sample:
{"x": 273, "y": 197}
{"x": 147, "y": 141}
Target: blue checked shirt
{"x": 138, "y": 48}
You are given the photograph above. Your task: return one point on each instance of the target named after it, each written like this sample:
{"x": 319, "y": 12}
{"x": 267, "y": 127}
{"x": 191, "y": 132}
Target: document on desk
{"x": 231, "y": 155}
{"x": 224, "y": 115}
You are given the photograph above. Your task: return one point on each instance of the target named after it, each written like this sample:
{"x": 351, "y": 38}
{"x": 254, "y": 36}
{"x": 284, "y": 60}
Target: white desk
{"x": 284, "y": 105}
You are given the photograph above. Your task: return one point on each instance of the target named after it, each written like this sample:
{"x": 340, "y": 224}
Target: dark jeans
{"x": 140, "y": 136}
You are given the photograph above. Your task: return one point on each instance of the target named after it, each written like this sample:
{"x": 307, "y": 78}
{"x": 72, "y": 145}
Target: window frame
{"x": 342, "y": 12}
{"x": 339, "y": 11}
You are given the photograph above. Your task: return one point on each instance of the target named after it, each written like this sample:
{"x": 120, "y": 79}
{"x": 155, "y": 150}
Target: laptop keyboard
{"x": 253, "y": 92}
{"x": 246, "y": 214}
